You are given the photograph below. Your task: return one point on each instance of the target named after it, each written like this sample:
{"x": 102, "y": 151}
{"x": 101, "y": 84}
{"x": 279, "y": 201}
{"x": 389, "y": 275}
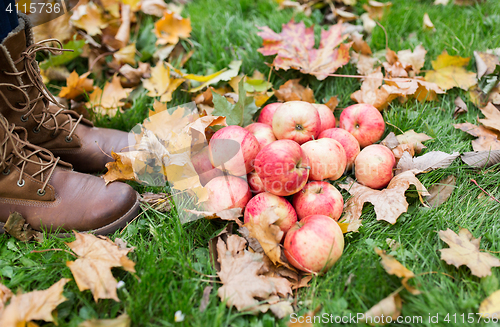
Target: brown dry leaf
{"x": 293, "y": 91}
{"x": 158, "y": 201}
{"x": 365, "y": 64}
{"x": 486, "y": 140}
{"x": 17, "y": 227}
{"x": 464, "y": 250}
{"x": 35, "y": 305}
{"x": 449, "y": 71}
{"x": 294, "y": 47}
{"x": 92, "y": 269}
{"x": 89, "y": 17}
{"x": 388, "y": 307}
{"x": 441, "y": 191}
{"x": 5, "y": 295}
{"x": 485, "y": 63}
{"x": 360, "y": 45}
{"x": 162, "y": 83}
{"x": 268, "y": 234}
{"x": 171, "y": 27}
{"x": 241, "y": 277}
{"x": 119, "y": 170}
{"x": 430, "y": 161}
{"x": 58, "y": 28}
{"x": 413, "y": 61}
{"x": 481, "y": 159}
{"x": 490, "y": 305}
{"x": 109, "y": 100}
{"x": 228, "y": 214}
{"x": 371, "y": 92}
{"x": 76, "y": 85}
{"x": 394, "y": 267}
{"x": 153, "y": 7}
{"x": 413, "y": 138}
{"x": 460, "y": 108}
{"x": 389, "y": 203}
{"x": 133, "y": 76}
{"x": 376, "y": 9}
{"x": 332, "y": 103}
{"x": 205, "y": 299}
{"x": 492, "y": 114}
{"x": 120, "y": 321}
{"x": 428, "y": 25}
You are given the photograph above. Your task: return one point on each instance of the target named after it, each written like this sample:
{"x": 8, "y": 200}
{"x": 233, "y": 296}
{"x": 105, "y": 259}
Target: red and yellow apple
{"x": 327, "y": 159}
{"x": 325, "y": 116}
{"x": 282, "y": 167}
{"x": 364, "y": 122}
{"x": 349, "y": 143}
{"x": 314, "y": 244}
{"x": 267, "y": 113}
{"x": 374, "y": 165}
{"x": 203, "y": 166}
{"x": 226, "y": 192}
{"x": 297, "y": 121}
{"x": 259, "y": 205}
{"x": 233, "y": 149}
{"x": 262, "y": 132}
{"x": 318, "y": 198}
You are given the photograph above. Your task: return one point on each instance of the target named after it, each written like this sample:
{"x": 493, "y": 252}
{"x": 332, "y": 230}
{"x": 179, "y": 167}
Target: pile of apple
{"x": 288, "y": 157}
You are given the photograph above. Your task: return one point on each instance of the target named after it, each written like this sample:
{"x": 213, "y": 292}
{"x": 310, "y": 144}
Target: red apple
{"x": 296, "y": 120}
{"x": 364, "y": 122}
{"x": 203, "y": 166}
{"x": 226, "y": 192}
{"x": 318, "y": 198}
{"x": 262, "y": 132}
{"x": 325, "y": 116}
{"x": 256, "y": 185}
{"x": 349, "y": 142}
{"x": 259, "y": 205}
{"x": 314, "y": 243}
{"x": 373, "y": 166}
{"x": 282, "y": 167}
{"x": 234, "y": 149}
{"x": 267, "y": 113}
{"x": 327, "y": 159}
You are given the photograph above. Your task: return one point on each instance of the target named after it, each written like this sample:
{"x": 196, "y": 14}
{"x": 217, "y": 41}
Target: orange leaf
{"x": 119, "y": 170}
{"x": 76, "y": 85}
{"x": 171, "y": 27}
{"x": 109, "y": 100}
{"x": 89, "y": 17}
{"x": 293, "y": 91}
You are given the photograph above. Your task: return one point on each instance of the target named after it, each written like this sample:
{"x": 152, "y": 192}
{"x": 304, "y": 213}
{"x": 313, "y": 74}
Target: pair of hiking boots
{"x": 40, "y": 143}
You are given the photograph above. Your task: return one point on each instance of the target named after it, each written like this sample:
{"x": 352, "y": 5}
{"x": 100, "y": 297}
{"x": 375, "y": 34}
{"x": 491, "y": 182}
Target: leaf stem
{"x": 482, "y": 189}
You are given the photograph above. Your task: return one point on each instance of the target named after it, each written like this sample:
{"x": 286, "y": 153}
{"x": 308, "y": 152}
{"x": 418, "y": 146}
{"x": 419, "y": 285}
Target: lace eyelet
{"x": 6, "y": 172}
{"x": 10, "y": 88}
{"x": 24, "y": 119}
{"x": 68, "y": 139}
{"x": 20, "y": 184}
{"x": 53, "y": 135}
{"x": 40, "y": 192}
{"x": 36, "y": 130}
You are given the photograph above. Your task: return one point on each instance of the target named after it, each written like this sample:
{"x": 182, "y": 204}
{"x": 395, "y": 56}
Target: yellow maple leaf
{"x": 92, "y": 269}
{"x": 171, "y": 27}
{"x": 89, "y": 17}
{"x": 36, "y": 305}
{"x": 76, "y": 85}
{"x": 126, "y": 55}
{"x": 449, "y": 72}
{"x": 161, "y": 83}
{"x": 109, "y": 100}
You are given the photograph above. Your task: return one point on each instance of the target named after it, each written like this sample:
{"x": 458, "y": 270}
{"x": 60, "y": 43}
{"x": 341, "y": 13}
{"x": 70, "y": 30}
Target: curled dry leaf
{"x": 126, "y": 55}
{"x": 242, "y": 279}
{"x": 35, "y": 305}
{"x": 464, "y": 250}
{"x": 413, "y": 138}
{"x": 394, "y": 267}
{"x": 153, "y": 7}
{"x": 490, "y": 305}
{"x": 389, "y": 203}
{"x": 428, "y": 25}
{"x": 293, "y": 91}
{"x": 487, "y": 140}
{"x": 92, "y": 269}
{"x": 227, "y": 214}
{"x": 332, "y": 103}
{"x": 460, "y": 108}
{"x": 158, "y": 201}
{"x": 413, "y": 60}
{"x": 492, "y": 120}
{"x": 119, "y": 170}
{"x": 109, "y": 100}
{"x": 89, "y": 17}
{"x": 481, "y": 159}
{"x": 205, "y": 299}
{"x": 5, "y": 295}
{"x": 449, "y": 71}
{"x": 17, "y": 227}
{"x": 485, "y": 63}
{"x": 120, "y": 321}
{"x": 377, "y": 9}
{"x": 171, "y": 27}
{"x": 133, "y": 76}
{"x": 294, "y": 47}
{"x": 441, "y": 191}
{"x": 388, "y": 307}
{"x": 162, "y": 83}
{"x": 430, "y": 161}
{"x": 76, "y": 85}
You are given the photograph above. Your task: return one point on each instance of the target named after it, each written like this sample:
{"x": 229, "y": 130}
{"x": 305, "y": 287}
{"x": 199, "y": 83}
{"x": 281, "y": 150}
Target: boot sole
{"x": 104, "y": 230}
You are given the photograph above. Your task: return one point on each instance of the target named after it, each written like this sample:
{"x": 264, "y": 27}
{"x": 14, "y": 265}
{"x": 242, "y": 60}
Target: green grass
{"x": 170, "y": 256}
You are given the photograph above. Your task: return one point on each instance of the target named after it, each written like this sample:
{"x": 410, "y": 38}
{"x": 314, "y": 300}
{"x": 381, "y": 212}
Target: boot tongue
{"x": 16, "y": 43}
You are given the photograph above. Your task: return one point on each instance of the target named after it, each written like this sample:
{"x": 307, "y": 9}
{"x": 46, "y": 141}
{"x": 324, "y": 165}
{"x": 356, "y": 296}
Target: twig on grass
{"x": 47, "y": 250}
{"x": 482, "y": 189}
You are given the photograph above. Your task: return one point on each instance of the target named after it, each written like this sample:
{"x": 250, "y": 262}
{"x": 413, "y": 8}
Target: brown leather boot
{"x": 26, "y": 102}
{"x": 52, "y": 197}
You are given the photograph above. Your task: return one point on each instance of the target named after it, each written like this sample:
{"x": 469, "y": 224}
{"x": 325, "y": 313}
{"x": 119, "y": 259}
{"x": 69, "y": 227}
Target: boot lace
{"x": 29, "y": 155}
{"x": 31, "y": 69}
